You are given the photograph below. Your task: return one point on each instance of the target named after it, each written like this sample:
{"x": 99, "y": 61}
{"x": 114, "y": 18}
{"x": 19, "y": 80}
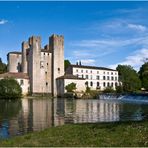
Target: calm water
{"x": 27, "y": 115}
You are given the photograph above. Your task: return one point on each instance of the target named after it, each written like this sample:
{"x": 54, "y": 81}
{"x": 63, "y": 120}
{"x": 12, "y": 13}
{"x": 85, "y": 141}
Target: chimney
{"x": 80, "y": 63}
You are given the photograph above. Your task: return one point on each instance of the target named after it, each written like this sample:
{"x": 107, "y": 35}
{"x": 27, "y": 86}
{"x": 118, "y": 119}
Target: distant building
{"x": 41, "y": 65}
{"x": 97, "y": 78}
{"x": 41, "y": 70}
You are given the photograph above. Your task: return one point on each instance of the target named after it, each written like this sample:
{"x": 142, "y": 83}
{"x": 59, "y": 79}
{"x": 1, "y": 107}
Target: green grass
{"x": 101, "y": 134}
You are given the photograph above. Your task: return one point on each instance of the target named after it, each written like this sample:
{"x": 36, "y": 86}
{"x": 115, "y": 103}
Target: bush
{"x": 119, "y": 89}
{"x": 70, "y": 87}
{"x": 10, "y": 89}
{"x": 108, "y": 90}
{"x": 87, "y": 89}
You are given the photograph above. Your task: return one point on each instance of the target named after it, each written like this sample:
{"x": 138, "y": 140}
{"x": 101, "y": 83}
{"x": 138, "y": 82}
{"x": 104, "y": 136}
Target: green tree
{"x": 3, "y": 67}
{"x": 70, "y": 87}
{"x": 143, "y": 74}
{"x": 10, "y": 89}
{"x": 66, "y": 64}
{"x": 129, "y": 78}
{"x": 108, "y": 90}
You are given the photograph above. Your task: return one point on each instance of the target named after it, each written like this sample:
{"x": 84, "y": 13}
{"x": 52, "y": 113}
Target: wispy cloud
{"x": 2, "y": 21}
{"x": 99, "y": 49}
{"x": 135, "y": 59}
{"x": 137, "y": 27}
{"x": 88, "y": 62}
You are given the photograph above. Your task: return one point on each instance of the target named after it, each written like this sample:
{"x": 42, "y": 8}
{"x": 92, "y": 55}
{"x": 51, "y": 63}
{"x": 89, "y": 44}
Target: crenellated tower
{"x": 56, "y": 43}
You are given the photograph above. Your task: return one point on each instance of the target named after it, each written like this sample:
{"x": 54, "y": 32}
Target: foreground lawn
{"x": 101, "y": 134}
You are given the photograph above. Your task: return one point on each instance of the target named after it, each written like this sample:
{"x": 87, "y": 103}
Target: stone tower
{"x": 56, "y": 43}
{"x": 14, "y": 62}
{"x": 25, "y": 47}
{"x": 34, "y": 64}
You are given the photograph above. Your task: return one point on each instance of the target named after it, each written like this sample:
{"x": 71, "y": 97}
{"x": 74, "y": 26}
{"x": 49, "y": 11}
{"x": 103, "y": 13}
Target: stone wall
{"x": 14, "y": 62}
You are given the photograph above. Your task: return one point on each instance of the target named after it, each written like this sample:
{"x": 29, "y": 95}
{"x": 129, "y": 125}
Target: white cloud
{"x": 88, "y": 62}
{"x": 2, "y": 21}
{"x": 137, "y": 27}
{"x": 135, "y": 60}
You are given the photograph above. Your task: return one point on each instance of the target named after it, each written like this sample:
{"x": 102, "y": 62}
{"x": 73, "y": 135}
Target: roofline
{"x": 14, "y": 52}
{"x": 92, "y": 67}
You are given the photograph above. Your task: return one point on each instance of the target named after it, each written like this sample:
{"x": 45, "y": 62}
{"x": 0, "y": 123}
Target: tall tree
{"x": 66, "y": 64}
{"x": 3, "y": 67}
{"x": 129, "y": 78}
{"x": 143, "y": 74}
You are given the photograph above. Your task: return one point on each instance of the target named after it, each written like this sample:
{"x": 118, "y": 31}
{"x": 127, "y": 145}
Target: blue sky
{"x": 97, "y": 33}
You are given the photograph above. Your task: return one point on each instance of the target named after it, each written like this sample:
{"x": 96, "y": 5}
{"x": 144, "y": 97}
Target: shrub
{"x": 108, "y": 90}
{"x": 70, "y": 87}
{"x": 10, "y": 89}
{"x": 87, "y": 89}
{"x": 119, "y": 89}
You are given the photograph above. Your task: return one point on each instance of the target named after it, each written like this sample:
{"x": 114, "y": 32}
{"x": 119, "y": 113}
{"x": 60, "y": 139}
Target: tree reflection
{"x": 9, "y": 108}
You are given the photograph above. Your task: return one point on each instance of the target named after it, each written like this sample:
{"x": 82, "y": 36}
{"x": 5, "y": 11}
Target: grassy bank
{"x": 101, "y": 134}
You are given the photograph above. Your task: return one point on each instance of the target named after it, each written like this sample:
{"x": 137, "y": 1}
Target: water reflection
{"x": 27, "y": 115}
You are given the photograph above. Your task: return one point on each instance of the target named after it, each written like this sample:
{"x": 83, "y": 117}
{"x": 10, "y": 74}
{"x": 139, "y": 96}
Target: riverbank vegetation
{"x": 10, "y": 89}
{"x": 121, "y": 134}
{"x": 3, "y": 67}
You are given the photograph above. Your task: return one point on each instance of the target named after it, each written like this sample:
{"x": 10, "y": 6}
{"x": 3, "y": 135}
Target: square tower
{"x": 56, "y": 43}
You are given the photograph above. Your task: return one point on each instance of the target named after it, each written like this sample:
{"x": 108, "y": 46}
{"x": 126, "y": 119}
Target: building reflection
{"x": 35, "y": 115}
{"x": 17, "y": 118}
{"x": 96, "y": 111}
{"x": 85, "y": 111}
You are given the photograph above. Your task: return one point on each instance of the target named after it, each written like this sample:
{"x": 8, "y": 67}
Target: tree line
{"x": 131, "y": 80}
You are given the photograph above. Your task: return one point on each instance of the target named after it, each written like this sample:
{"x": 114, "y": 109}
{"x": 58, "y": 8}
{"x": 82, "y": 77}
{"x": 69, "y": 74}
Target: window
{"x": 108, "y": 73}
{"x": 44, "y": 53}
{"x": 46, "y": 72}
{"x": 86, "y": 76}
{"x": 108, "y": 84}
{"x": 21, "y": 82}
{"x": 98, "y": 84}
{"x": 97, "y": 72}
{"x": 112, "y": 84}
{"x": 41, "y": 64}
{"x": 97, "y": 77}
{"x": 91, "y": 77}
{"x": 104, "y": 84}
{"x": 111, "y": 73}
{"x": 91, "y": 71}
{"x": 104, "y": 72}
{"x": 112, "y": 78}
{"x": 76, "y": 70}
{"x": 82, "y": 71}
{"x": 86, "y": 83}
{"x": 116, "y": 84}
{"x": 46, "y": 83}
{"x": 82, "y": 76}
{"x": 103, "y": 77}
{"x": 47, "y": 63}
{"x": 86, "y": 71}
{"x": 91, "y": 83}
{"x": 116, "y": 78}
{"x": 107, "y": 77}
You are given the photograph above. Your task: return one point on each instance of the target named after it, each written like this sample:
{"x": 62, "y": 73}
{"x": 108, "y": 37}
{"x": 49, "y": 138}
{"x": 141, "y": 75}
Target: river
{"x": 18, "y": 117}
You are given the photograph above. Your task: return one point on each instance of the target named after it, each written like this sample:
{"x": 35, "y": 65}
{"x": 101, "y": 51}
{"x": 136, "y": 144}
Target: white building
{"x": 95, "y": 77}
